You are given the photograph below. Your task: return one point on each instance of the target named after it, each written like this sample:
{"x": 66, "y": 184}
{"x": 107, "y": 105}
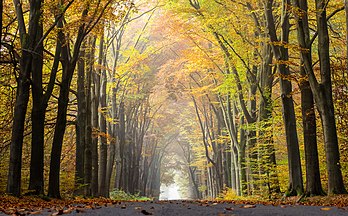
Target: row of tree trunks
{"x": 322, "y": 94}
{"x": 263, "y": 160}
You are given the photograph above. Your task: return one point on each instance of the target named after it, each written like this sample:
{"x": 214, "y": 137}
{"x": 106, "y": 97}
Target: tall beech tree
{"x": 313, "y": 181}
{"x": 28, "y": 62}
{"x": 281, "y": 55}
{"x": 102, "y": 118}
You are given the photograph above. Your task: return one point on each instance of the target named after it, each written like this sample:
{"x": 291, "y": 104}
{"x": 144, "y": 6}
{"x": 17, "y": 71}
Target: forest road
{"x": 191, "y": 208}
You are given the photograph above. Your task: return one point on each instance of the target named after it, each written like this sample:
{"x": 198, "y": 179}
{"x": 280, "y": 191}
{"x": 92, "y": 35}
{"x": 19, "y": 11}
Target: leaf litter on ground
{"x": 31, "y": 205}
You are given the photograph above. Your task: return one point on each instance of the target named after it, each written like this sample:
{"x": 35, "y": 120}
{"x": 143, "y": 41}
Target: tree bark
{"x": 313, "y": 184}
{"x": 95, "y": 94}
{"x": 102, "y": 122}
{"x": 323, "y": 98}
{"x": 68, "y": 65}
{"x": 281, "y": 54}
{"x": 122, "y": 144}
{"x": 88, "y": 166}
{"x": 28, "y": 42}
{"x": 81, "y": 122}
{"x": 36, "y": 181}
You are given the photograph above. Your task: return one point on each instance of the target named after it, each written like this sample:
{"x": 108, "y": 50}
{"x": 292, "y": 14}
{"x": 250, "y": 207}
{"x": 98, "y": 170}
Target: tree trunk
{"x": 103, "y": 132}
{"x": 242, "y": 159}
{"x": 313, "y": 184}
{"x": 282, "y": 55}
{"x": 68, "y": 65}
{"x": 28, "y": 42}
{"x": 313, "y": 181}
{"x": 88, "y": 166}
{"x": 110, "y": 158}
{"x": 324, "y": 101}
{"x": 20, "y": 110}
{"x": 122, "y": 144}
{"x": 96, "y": 129}
{"x": 81, "y": 123}
{"x": 54, "y": 176}
{"x": 36, "y": 181}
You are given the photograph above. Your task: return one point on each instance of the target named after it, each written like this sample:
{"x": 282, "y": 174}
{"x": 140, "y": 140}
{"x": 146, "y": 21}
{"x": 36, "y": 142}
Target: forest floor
{"x": 332, "y": 205}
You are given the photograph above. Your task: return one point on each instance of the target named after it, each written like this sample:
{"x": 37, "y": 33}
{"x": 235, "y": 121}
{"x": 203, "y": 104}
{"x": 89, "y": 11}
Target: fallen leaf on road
{"x": 229, "y": 209}
{"x": 68, "y": 211}
{"x": 60, "y": 212}
{"x": 80, "y": 210}
{"x": 35, "y": 212}
{"x": 146, "y": 212}
{"x": 325, "y": 209}
{"x": 249, "y": 206}
{"x": 137, "y": 208}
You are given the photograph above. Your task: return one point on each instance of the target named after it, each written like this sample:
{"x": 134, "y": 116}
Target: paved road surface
{"x": 185, "y": 208}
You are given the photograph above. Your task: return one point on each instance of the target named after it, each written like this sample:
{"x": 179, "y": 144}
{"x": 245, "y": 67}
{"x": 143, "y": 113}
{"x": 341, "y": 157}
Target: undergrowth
{"x": 123, "y": 196}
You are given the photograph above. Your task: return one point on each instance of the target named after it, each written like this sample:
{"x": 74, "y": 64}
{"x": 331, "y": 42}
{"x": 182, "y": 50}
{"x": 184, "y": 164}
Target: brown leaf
{"x": 80, "y": 210}
{"x": 68, "y": 211}
{"x": 146, "y": 212}
{"x": 249, "y": 206}
{"x": 229, "y": 209}
{"x": 35, "y": 212}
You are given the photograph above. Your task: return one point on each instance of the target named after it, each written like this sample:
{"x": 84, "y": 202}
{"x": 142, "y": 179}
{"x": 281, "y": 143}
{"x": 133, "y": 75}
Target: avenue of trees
{"x": 118, "y": 95}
